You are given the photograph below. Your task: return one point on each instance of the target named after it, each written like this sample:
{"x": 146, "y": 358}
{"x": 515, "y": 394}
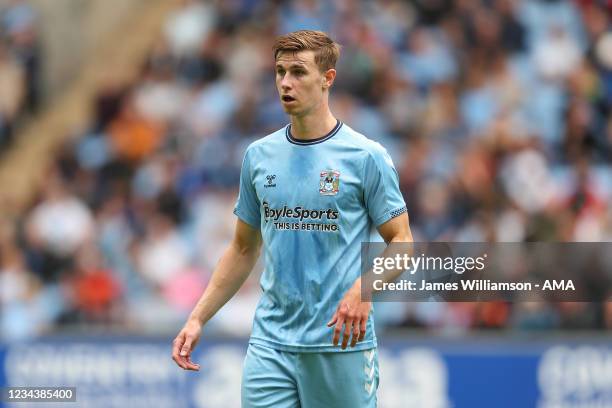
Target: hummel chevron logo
{"x": 369, "y": 371}
{"x": 369, "y": 387}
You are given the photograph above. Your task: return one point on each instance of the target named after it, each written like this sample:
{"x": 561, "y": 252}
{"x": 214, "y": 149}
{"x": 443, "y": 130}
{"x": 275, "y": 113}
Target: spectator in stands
{"x": 56, "y": 229}
{"x": 12, "y": 92}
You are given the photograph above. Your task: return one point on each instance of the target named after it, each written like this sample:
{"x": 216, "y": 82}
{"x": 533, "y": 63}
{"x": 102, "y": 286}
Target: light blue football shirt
{"x": 315, "y": 203}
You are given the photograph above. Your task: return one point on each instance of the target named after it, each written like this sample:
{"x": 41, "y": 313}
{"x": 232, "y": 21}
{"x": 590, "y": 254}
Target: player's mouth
{"x": 287, "y": 98}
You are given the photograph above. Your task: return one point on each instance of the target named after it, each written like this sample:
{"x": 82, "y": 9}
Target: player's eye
{"x": 299, "y": 72}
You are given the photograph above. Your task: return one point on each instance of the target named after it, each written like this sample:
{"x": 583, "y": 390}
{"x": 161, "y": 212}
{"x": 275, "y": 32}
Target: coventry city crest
{"x": 330, "y": 182}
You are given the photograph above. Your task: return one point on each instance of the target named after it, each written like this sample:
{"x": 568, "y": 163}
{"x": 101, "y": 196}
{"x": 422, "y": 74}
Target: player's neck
{"x": 312, "y": 126}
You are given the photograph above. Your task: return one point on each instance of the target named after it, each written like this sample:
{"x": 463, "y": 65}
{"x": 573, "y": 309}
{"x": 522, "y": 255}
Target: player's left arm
{"x": 352, "y": 313}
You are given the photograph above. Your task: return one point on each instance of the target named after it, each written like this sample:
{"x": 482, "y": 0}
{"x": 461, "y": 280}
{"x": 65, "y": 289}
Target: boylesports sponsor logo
{"x": 299, "y": 213}
{"x": 297, "y": 218}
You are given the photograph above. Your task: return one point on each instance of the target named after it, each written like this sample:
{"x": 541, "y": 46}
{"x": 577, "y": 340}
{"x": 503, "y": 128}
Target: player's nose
{"x": 285, "y": 83}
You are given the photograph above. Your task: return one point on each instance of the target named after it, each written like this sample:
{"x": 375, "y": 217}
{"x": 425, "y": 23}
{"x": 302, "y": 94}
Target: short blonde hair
{"x": 326, "y": 50}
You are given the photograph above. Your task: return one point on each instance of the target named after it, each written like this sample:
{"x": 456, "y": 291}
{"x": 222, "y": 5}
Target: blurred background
{"x": 122, "y": 130}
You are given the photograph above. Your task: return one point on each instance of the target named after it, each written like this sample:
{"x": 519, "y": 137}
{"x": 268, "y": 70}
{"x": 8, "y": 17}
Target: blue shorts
{"x": 281, "y": 379}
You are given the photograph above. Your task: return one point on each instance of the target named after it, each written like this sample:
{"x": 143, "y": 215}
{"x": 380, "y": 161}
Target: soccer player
{"x": 309, "y": 194}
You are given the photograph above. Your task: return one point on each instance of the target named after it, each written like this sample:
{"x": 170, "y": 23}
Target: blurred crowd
{"x": 497, "y": 114}
{"x": 20, "y": 59}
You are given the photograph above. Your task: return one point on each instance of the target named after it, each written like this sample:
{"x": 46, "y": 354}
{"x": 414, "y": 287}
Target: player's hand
{"x": 184, "y": 343}
{"x": 353, "y": 314}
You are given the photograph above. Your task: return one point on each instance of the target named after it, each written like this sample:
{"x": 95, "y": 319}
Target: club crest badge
{"x": 329, "y": 183}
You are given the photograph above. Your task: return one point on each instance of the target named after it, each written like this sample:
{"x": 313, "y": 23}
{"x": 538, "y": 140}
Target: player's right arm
{"x": 230, "y": 273}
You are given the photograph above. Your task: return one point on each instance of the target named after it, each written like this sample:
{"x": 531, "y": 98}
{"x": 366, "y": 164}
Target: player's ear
{"x": 328, "y": 78}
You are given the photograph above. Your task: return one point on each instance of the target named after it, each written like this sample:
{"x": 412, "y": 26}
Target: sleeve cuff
{"x": 389, "y": 215}
{"x": 253, "y": 222}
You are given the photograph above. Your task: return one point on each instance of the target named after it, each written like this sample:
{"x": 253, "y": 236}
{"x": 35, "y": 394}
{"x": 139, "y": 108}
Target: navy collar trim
{"x": 321, "y": 139}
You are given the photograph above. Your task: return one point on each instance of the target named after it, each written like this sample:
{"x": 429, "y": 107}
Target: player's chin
{"x": 290, "y": 109}
{"x": 290, "y": 104}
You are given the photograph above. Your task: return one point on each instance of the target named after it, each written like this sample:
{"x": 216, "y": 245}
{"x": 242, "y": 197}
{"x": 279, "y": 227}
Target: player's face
{"x": 299, "y": 82}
